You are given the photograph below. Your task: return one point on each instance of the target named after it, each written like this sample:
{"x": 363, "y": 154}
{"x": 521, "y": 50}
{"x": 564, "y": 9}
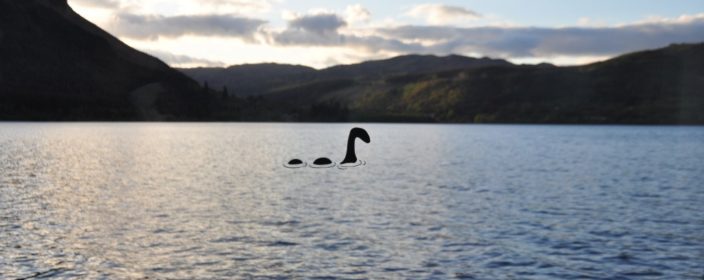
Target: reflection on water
{"x": 352, "y": 165}
{"x": 433, "y": 201}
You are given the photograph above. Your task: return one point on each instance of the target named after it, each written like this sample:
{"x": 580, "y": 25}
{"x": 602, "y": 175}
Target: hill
{"x": 251, "y": 79}
{"x": 408, "y": 65}
{"x": 261, "y": 79}
{"x": 55, "y": 65}
{"x": 651, "y": 87}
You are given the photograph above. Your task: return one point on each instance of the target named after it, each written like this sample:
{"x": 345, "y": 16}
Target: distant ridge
{"x": 251, "y": 79}
{"x": 661, "y": 86}
{"x": 260, "y": 79}
{"x": 409, "y": 65}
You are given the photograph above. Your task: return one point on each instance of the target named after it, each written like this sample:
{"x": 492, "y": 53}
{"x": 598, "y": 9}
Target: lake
{"x": 214, "y": 201}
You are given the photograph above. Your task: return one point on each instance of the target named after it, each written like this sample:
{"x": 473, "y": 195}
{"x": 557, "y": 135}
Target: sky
{"x": 192, "y": 33}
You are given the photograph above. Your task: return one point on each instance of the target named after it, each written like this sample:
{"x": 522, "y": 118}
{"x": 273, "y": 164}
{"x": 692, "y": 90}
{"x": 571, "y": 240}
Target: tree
{"x": 225, "y": 94}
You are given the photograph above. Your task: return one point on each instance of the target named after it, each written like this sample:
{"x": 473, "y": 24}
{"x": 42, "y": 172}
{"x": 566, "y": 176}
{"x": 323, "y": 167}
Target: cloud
{"x": 341, "y": 32}
{"x": 505, "y": 42}
{"x": 439, "y": 14}
{"x": 152, "y": 27}
{"x": 590, "y": 22}
{"x": 549, "y": 42}
{"x": 319, "y": 24}
{"x": 310, "y": 30}
{"x": 259, "y": 4}
{"x": 183, "y": 60}
{"x": 357, "y": 13}
{"x": 241, "y": 7}
{"x": 246, "y": 8}
{"x": 683, "y": 19}
{"x": 324, "y": 30}
{"x": 106, "y": 4}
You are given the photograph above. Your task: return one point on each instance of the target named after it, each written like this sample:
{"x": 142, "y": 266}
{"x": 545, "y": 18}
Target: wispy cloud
{"x": 262, "y": 5}
{"x": 152, "y": 27}
{"x": 548, "y": 42}
{"x": 357, "y": 13}
{"x": 182, "y": 60}
{"x": 319, "y": 24}
{"x": 310, "y": 30}
{"x": 106, "y": 4}
{"x": 180, "y": 7}
{"x": 439, "y": 14}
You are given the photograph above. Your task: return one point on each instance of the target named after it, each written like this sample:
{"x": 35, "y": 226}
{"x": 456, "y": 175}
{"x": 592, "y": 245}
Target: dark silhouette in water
{"x": 322, "y": 161}
{"x": 350, "y": 156}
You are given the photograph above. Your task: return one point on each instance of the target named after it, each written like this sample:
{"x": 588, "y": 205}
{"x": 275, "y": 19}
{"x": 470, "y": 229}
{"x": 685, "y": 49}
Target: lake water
{"x": 214, "y": 201}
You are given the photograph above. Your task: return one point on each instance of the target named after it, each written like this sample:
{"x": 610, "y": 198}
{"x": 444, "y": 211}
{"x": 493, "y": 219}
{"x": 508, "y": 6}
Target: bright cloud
{"x": 105, "y": 4}
{"x": 357, "y": 13}
{"x": 438, "y": 14}
{"x": 180, "y": 7}
{"x": 683, "y": 19}
{"x": 183, "y": 60}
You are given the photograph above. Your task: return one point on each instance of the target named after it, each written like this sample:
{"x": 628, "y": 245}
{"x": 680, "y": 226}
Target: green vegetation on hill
{"x": 652, "y": 87}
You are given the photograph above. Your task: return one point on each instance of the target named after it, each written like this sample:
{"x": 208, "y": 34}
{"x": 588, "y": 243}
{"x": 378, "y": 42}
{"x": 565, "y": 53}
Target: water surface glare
{"x": 215, "y": 201}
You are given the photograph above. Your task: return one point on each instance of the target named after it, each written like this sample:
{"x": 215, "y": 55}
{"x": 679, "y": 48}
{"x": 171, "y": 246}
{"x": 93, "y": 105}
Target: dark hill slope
{"x": 55, "y": 65}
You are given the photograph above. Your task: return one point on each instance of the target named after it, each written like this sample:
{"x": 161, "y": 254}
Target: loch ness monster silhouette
{"x": 350, "y": 155}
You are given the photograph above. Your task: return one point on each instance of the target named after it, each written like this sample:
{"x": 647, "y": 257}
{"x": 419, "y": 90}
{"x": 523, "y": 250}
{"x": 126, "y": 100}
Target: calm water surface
{"x": 213, "y": 201}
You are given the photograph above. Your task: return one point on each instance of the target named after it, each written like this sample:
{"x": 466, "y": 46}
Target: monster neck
{"x": 351, "y": 156}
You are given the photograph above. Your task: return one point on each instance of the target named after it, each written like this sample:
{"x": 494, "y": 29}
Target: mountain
{"x": 408, "y": 65}
{"x": 651, "y": 87}
{"x": 55, "y": 65}
{"x": 261, "y": 79}
{"x": 251, "y": 79}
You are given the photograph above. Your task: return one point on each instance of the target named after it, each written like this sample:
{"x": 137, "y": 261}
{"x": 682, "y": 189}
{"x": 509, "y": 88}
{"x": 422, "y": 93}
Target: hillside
{"x": 251, "y": 79}
{"x": 262, "y": 79}
{"x": 408, "y": 65}
{"x": 55, "y": 65}
{"x": 652, "y": 87}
